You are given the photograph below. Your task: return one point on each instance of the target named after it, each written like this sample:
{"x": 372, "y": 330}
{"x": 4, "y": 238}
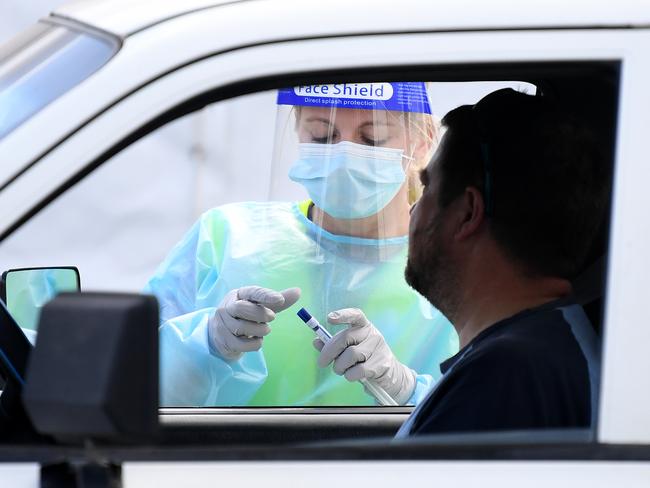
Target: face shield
{"x": 350, "y": 154}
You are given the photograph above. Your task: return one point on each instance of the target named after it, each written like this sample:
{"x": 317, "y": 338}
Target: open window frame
{"x": 245, "y": 424}
{"x": 563, "y": 81}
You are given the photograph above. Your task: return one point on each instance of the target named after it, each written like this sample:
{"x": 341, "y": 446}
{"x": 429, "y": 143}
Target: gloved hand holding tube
{"x": 361, "y": 352}
{"x": 241, "y": 320}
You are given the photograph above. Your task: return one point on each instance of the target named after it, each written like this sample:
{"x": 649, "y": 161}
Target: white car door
{"x": 624, "y": 402}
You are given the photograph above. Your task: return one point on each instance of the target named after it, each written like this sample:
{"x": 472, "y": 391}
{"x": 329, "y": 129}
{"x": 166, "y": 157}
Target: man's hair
{"x": 540, "y": 173}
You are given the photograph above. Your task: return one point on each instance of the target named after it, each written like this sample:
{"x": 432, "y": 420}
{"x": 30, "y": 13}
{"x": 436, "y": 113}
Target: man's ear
{"x": 470, "y": 213}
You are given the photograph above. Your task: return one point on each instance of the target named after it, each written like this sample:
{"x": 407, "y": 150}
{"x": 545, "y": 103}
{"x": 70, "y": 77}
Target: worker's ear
{"x": 470, "y": 213}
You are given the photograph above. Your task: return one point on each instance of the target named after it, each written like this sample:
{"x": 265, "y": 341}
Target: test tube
{"x": 323, "y": 334}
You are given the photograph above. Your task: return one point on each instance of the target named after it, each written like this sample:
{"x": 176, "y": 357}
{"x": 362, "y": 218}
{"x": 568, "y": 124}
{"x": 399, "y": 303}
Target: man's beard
{"x": 433, "y": 275}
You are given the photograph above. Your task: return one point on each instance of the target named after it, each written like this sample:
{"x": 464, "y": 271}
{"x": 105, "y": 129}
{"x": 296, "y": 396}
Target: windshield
{"x": 43, "y": 63}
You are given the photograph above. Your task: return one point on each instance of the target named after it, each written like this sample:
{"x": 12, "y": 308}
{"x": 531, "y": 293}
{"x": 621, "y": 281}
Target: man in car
{"x": 512, "y": 201}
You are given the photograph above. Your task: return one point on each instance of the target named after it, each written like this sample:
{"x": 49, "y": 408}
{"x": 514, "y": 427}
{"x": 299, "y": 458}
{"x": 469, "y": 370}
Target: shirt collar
{"x": 447, "y": 364}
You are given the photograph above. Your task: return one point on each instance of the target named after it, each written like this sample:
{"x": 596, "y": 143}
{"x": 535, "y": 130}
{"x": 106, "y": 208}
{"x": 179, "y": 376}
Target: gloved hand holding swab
{"x": 379, "y": 393}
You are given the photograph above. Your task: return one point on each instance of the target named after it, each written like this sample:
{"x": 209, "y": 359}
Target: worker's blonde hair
{"x": 427, "y": 128}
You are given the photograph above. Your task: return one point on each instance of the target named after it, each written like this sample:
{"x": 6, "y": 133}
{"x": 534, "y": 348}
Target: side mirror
{"x": 93, "y": 374}
{"x": 26, "y": 290}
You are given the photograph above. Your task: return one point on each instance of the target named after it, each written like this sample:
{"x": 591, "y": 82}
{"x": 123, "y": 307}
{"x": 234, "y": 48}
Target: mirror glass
{"x": 27, "y": 290}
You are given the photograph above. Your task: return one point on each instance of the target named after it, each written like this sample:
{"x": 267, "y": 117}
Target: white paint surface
{"x": 20, "y": 475}
{"x": 388, "y": 474}
{"x": 343, "y": 16}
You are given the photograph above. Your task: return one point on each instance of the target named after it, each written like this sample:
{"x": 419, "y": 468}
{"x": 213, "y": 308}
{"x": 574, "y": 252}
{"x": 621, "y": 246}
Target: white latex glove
{"x": 241, "y": 321}
{"x": 361, "y": 352}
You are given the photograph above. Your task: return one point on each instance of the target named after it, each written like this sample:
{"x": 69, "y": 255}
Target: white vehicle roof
{"x": 126, "y": 17}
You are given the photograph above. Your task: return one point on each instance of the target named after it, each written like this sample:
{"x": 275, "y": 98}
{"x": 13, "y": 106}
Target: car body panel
{"x": 625, "y": 384}
{"x": 381, "y": 474}
{"x": 124, "y": 17}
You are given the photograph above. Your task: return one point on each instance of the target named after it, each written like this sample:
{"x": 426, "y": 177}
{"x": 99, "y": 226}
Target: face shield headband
{"x": 398, "y": 96}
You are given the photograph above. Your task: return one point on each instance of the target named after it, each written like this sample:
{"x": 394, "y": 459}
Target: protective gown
{"x": 275, "y": 245}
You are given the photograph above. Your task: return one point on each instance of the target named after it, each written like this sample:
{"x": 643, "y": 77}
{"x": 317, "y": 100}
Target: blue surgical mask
{"x": 348, "y": 180}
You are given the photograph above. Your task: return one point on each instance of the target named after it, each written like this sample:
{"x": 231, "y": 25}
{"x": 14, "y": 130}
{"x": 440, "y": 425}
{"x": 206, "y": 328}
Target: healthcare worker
{"x": 332, "y": 238}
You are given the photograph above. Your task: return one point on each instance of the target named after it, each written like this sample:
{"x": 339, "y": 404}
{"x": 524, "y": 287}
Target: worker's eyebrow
{"x": 386, "y": 123}
{"x": 424, "y": 177}
{"x": 319, "y": 119}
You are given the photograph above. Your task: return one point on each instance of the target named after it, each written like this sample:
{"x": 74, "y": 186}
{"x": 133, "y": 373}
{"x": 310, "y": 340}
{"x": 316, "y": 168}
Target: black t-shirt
{"x": 532, "y": 370}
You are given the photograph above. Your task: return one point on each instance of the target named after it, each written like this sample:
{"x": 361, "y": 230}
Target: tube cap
{"x": 304, "y": 315}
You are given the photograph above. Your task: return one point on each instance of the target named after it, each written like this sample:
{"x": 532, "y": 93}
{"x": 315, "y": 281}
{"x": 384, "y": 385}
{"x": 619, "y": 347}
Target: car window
{"x": 42, "y": 64}
{"x": 230, "y": 197}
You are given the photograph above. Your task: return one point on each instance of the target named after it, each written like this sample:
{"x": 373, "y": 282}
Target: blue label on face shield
{"x": 400, "y": 96}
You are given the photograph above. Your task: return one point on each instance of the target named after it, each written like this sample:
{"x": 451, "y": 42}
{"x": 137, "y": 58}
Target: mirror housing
{"x": 93, "y": 374}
